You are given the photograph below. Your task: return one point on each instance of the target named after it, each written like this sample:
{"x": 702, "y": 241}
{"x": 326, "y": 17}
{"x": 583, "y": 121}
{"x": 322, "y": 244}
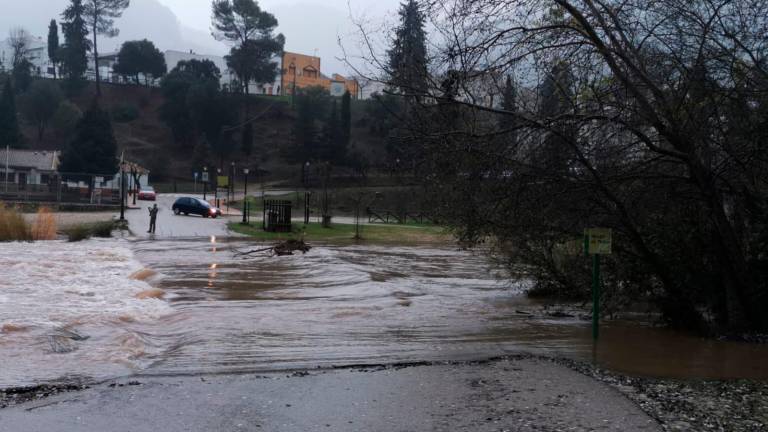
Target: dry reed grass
{"x": 45, "y": 226}
{"x": 13, "y": 227}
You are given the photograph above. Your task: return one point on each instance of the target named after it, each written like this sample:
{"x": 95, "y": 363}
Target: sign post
{"x": 205, "y": 184}
{"x": 597, "y": 241}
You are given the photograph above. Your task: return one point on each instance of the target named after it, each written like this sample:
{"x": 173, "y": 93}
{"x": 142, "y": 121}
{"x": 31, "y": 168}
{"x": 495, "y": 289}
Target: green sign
{"x": 222, "y": 181}
{"x": 598, "y": 241}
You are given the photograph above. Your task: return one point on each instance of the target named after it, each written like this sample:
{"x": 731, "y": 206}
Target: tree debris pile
{"x": 285, "y": 248}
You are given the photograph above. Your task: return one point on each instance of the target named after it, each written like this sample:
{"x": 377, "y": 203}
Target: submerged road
{"x": 170, "y": 225}
{"x": 509, "y": 395}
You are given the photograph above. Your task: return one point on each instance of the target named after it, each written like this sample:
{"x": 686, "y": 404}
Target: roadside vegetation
{"x": 77, "y": 233}
{"x": 13, "y": 227}
{"x": 570, "y": 116}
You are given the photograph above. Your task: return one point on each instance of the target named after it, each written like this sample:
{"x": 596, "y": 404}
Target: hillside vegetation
{"x": 147, "y": 140}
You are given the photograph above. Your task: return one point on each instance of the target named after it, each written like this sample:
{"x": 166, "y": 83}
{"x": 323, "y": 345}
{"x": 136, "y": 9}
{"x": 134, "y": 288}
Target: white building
{"x": 173, "y": 58}
{"x": 37, "y": 54}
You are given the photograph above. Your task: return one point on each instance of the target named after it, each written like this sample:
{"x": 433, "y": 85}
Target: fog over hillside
{"x": 143, "y": 19}
{"x": 310, "y": 28}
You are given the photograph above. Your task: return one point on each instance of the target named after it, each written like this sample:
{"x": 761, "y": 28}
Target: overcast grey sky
{"x": 310, "y": 26}
{"x": 197, "y": 13}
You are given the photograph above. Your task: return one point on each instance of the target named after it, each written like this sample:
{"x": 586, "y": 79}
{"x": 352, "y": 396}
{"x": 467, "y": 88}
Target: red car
{"x": 147, "y": 194}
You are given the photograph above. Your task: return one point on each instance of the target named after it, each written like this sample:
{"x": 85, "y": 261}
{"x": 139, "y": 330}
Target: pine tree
{"x": 250, "y": 30}
{"x": 53, "y": 45}
{"x": 346, "y": 121}
{"x": 100, "y": 16}
{"x": 10, "y": 136}
{"x": 93, "y": 150}
{"x": 74, "y": 53}
{"x": 408, "y": 55}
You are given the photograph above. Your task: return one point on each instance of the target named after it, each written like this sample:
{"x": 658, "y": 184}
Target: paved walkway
{"x": 170, "y": 225}
{"x": 524, "y": 395}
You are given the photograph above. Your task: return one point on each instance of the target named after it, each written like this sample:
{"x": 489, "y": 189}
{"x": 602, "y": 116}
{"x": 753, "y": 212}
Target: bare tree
{"x": 20, "y": 43}
{"x": 101, "y": 15}
{"x": 655, "y": 130}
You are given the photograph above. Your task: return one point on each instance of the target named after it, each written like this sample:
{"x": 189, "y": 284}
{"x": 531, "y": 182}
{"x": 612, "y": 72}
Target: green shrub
{"x": 78, "y": 233}
{"x": 85, "y": 231}
{"x": 103, "y": 229}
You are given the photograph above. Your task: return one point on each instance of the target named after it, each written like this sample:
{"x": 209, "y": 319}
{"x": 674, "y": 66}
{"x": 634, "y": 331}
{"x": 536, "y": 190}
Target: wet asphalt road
{"x": 509, "y": 395}
{"x": 171, "y": 226}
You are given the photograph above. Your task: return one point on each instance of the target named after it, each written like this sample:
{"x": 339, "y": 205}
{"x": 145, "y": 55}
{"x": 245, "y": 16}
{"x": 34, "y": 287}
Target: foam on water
{"x": 50, "y": 284}
{"x": 84, "y": 287}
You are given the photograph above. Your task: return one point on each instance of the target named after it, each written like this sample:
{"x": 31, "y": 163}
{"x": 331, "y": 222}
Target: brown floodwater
{"x": 348, "y": 305}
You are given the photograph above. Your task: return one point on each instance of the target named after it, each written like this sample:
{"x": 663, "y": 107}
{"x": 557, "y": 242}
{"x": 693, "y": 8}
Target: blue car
{"x": 195, "y": 206}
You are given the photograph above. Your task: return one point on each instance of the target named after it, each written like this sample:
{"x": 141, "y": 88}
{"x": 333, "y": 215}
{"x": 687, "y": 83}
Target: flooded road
{"x": 338, "y": 305}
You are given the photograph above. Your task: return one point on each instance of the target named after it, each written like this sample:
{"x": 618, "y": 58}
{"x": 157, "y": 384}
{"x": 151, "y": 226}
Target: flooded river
{"x": 337, "y": 305}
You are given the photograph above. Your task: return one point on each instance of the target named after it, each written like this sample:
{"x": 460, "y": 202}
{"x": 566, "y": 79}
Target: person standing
{"x": 153, "y": 211}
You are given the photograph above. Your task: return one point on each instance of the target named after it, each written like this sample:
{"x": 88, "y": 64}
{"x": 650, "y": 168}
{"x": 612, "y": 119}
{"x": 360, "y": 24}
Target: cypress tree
{"x": 53, "y": 45}
{"x": 9, "y": 123}
{"x": 74, "y": 54}
{"x": 408, "y": 55}
{"x": 346, "y": 121}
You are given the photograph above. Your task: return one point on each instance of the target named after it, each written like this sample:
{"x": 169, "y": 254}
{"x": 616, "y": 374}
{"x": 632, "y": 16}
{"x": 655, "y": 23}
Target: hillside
{"x": 148, "y": 141}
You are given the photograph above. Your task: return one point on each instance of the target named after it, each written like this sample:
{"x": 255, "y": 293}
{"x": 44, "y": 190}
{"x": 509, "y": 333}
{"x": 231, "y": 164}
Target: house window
{"x": 310, "y": 72}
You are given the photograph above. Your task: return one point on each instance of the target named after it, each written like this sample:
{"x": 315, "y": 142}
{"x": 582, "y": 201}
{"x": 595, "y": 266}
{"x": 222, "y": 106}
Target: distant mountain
{"x": 143, "y": 19}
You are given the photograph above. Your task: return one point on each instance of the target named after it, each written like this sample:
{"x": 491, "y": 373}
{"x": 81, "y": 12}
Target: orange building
{"x": 302, "y": 71}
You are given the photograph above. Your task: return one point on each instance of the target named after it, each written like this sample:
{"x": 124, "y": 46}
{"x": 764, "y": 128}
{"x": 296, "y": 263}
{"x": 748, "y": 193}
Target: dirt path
{"x": 509, "y": 395}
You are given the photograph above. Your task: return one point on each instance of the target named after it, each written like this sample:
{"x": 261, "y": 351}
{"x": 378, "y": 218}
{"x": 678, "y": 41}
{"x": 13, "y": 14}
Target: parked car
{"x": 196, "y": 206}
{"x": 147, "y": 194}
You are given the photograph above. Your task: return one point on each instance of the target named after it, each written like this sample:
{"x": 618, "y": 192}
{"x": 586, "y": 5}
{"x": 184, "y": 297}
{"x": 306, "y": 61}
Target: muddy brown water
{"x": 355, "y": 304}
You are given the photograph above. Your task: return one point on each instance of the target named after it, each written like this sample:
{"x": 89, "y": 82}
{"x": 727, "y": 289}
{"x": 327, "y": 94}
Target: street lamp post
{"x": 205, "y": 183}
{"x": 216, "y": 191}
{"x": 245, "y": 196}
{"x": 232, "y": 177}
{"x": 122, "y": 192}
{"x": 307, "y": 195}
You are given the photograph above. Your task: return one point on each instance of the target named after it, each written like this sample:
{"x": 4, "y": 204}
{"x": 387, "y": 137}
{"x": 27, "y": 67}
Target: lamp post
{"x": 307, "y": 193}
{"x": 245, "y": 196}
{"x": 216, "y": 191}
{"x": 231, "y": 187}
{"x": 307, "y": 196}
{"x": 122, "y": 192}
{"x": 205, "y": 183}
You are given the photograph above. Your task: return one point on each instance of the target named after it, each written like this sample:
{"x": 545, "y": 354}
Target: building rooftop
{"x": 39, "y": 160}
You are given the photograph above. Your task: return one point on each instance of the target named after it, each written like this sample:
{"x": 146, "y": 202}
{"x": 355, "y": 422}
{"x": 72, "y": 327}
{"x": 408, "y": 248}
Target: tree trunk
{"x": 729, "y": 252}
{"x": 96, "y": 61}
